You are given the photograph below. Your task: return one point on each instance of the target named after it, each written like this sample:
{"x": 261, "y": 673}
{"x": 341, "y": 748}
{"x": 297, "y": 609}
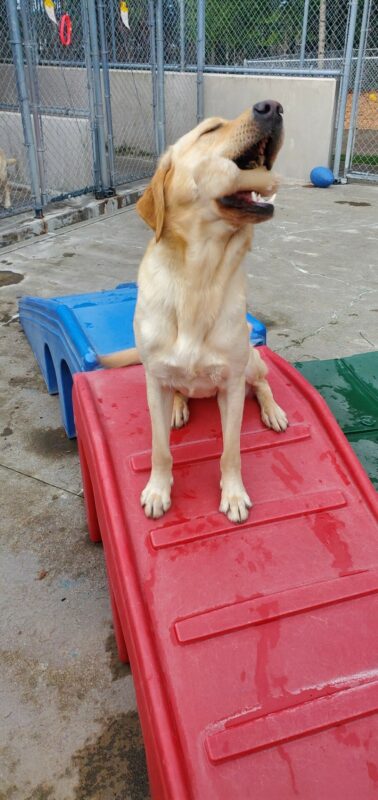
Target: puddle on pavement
{"x": 7, "y": 277}
{"x": 51, "y": 442}
{"x": 113, "y": 765}
{"x": 352, "y": 203}
{"x": 117, "y": 667}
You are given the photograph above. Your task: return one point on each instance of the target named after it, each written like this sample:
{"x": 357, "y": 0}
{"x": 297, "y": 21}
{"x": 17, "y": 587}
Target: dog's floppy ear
{"x": 151, "y": 206}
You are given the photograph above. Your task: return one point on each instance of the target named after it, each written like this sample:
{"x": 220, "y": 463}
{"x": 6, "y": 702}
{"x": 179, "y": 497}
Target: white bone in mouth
{"x": 258, "y": 198}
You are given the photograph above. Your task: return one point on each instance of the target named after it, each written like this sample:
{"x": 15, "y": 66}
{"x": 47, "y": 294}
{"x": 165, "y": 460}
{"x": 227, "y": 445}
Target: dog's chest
{"x": 194, "y": 359}
{"x": 192, "y": 367}
{"x": 196, "y": 336}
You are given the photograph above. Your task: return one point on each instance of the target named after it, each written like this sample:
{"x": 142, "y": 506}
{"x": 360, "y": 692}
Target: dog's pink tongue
{"x": 246, "y": 196}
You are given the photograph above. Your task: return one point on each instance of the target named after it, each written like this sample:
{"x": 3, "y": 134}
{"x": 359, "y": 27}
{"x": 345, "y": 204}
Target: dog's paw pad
{"x": 274, "y": 417}
{"x": 236, "y": 505}
{"x": 180, "y": 412}
{"x": 155, "y": 501}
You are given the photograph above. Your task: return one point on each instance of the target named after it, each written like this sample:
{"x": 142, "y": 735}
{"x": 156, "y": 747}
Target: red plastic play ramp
{"x": 254, "y": 648}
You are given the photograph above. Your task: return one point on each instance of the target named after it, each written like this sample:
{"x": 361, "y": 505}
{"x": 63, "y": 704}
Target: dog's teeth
{"x": 258, "y": 198}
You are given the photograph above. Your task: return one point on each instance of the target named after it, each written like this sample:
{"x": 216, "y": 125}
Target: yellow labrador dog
{"x": 208, "y": 192}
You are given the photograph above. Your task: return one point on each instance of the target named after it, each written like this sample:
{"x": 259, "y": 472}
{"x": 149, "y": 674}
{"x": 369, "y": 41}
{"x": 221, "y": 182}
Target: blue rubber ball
{"x": 322, "y": 177}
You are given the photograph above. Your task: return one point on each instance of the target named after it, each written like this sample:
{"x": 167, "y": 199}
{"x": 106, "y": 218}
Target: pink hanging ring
{"x": 65, "y": 30}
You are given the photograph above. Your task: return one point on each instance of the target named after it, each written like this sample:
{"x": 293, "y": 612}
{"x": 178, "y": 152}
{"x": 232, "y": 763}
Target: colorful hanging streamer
{"x": 124, "y": 11}
{"x": 50, "y": 10}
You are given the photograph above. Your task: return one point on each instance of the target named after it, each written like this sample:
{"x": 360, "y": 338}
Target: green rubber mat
{"x": 350, "y": 388}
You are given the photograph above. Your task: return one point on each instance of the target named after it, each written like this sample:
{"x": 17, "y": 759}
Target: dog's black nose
{"x": 267, "y": 111}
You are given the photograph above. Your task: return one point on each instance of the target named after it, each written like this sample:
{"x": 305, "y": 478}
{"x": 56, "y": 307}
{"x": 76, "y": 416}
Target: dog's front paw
{"x": 180, "y": 411}
{"x": 274, "y": 417}
{"x": 235, "y": 502}
{"x": 156, "y": 498}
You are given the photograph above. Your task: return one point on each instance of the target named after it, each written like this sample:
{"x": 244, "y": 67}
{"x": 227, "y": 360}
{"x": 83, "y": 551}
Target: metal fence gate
{"x": 93, "y": 111}
{"x": 74, "y": 117}
{"x": 129, "y": 74}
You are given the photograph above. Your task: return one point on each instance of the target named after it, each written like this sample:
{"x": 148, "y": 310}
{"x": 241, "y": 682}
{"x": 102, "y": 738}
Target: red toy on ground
{"x": 254, "y": 648}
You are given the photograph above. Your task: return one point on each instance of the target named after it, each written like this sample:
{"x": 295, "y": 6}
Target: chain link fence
{"x": 76, "y": 116}
{"x": 180, "y": 26}
{"x": 93, "y": 113}
{"x": 362, "y": 109}
{"x": 273, "y": 35}
{"x": 58, "y": 87}
{"x": 15, "y": 192}
{"x": 44, "y": 104}
{"x": 131, "y": 82}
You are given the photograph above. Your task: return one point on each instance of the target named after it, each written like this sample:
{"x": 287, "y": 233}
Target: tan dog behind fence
{"x": 5, "y": 195}
{"x": 208, "y": 192}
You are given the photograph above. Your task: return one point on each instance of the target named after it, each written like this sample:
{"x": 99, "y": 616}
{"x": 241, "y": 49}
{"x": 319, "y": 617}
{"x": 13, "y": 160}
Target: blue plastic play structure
{"x": 65, "y": 333}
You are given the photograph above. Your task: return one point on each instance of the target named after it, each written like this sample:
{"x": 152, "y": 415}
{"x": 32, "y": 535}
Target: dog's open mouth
{"x": 262, "y": 155}
{"x": 257, "y": 155}
{"x": 250, "y": 201}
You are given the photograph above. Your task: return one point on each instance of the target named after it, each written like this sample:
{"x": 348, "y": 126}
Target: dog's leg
{"x": 272, "y": 414}
{"x": 234, "y": 499}
{"x": 7, "y": 197}
{"x": 180, "y": 412}
{"x": 156, "y": 496}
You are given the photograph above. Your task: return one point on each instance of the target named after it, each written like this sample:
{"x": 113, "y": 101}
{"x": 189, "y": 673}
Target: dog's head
{"x": 221, "y": 168}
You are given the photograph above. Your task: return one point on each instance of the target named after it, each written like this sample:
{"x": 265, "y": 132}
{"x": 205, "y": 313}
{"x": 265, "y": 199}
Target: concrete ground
{"x": 69, "y": 725}
{"x": 21, "y": 225}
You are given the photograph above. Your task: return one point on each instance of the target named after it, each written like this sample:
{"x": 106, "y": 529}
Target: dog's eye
{"x": 211, "y": 130}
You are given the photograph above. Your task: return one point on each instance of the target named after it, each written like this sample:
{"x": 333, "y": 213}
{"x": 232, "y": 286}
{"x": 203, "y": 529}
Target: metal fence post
{"x": 107, "y": 94}
{"x": 112, "y": 27}
{"x": 182, "y": 35}
{"x": 357, "y": 83}
{"x": 344, "y": 87}
{"x": 304, "y": 33}
{"x": 34, "y": 98}
{"x": 92, "y": 116}
{"x": 105, "y": 189}
{"x": 24, "y": 106}
{"x": 151, "y": 24}
{"x": 160, "y": 77}
{"x": 201, "y": 20}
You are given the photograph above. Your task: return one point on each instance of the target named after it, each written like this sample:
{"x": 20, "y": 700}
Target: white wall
{"x": 309, "y": 107}
{"x": 132, "y": 111}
